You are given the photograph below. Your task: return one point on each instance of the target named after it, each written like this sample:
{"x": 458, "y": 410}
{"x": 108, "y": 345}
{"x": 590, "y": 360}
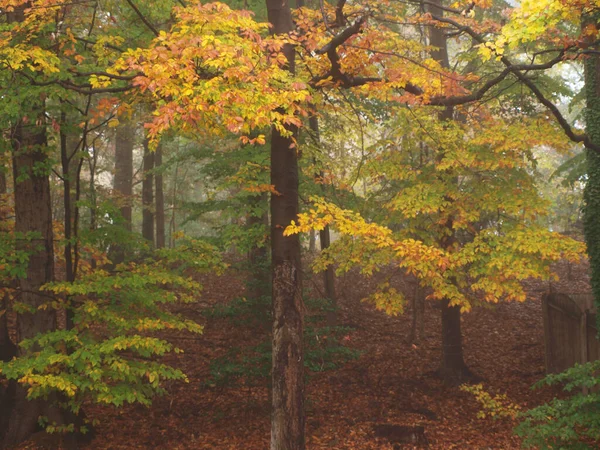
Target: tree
{"x": 148, "y": 195}
{"x": 287, "y": 413}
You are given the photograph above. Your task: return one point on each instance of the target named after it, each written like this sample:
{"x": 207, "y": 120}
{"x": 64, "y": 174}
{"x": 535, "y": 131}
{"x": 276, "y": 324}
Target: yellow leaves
{"x": 387, "y": 299}
{"x": 496, "y": 407}
{"x": 220, "y": 71}
{"x": 99, "y": 81}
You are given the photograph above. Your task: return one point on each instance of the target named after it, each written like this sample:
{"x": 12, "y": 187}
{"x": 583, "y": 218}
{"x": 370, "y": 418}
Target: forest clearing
{"x": 347, "y": 224}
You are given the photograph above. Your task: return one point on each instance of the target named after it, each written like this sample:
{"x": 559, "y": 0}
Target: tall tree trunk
{"x": 148, "y": 195}
{"x": 159, "y": 199}
{"x": 7, "y": 348}
{"x": 453, "y": 368}
{"x": 33, "y": 214}
{"x": 287, "y": 415}
{"x": 591, "y": 194}
{"x": 123, "y": 181}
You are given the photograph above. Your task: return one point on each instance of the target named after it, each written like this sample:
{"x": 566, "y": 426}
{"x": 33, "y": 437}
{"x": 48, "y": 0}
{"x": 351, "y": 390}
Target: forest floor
{"x": 393, "y": 381}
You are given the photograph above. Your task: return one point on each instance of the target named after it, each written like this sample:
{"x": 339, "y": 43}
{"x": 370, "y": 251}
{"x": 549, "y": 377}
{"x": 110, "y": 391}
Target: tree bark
{"x": 123, "y": 182}
{"x": 159, "y": 199}
{"x": 148, "y": 195}
{"x": 287, "y": 419}
{"x": 453, "y": 368}
{"x": 7, "y": 348}
{"x": 591, "y": 194}
{"x": 33, "y": 214}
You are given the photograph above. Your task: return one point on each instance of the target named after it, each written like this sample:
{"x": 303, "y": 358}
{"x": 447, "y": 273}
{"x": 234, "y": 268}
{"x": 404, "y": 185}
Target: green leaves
{"x": 110, "y": 354}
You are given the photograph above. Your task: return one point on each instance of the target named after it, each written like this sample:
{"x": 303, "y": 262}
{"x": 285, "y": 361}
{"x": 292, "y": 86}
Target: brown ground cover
{"x": 392, "y": 382}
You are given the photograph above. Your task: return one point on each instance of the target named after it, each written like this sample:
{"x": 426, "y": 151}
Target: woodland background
{"x": 337, "y": 217}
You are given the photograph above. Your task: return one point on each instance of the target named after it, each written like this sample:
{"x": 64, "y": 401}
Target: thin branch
{"x": 142, "y": 17}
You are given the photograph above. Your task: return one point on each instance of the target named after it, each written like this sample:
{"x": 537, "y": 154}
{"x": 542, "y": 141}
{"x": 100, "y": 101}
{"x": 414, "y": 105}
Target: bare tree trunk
{"x": 159, "y": 199}
{"x": 312, "y": 242}
{"x": 148, "y": 195}
{"x": 287, "y": 416}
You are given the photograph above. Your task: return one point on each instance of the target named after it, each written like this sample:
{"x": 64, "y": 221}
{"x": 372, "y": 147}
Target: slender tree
{"x": 148, "y": 195}
{"x": 287, "y": 415}
{"x": 159, "y": 198}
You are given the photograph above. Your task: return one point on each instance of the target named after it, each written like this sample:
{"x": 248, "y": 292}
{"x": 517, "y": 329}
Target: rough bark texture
{"x": 591, "y": 194}
{"x": 159, "y": 199}
{"x": 32, "y": 215}
{"x": 148, "y": 195}
{"x": 453, "y": 368}
{"x": 288, "y": 419}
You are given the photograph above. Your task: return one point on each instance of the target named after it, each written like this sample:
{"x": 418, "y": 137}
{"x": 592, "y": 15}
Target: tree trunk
{"x": 453, "y": 368}
{"x": 148, "y": 195}
{"x": 160, "y": 199}
{"x": 325, "y": 238}
{"x": 591, "y": 194}
{"x": 123, "y": 181}
{"x": 312, "y": 242}
{"x": 7, "y": 348}
{"x": 32, "y": 215}
{"x": 287, "y": 419}
{"x": 417, "y": 328}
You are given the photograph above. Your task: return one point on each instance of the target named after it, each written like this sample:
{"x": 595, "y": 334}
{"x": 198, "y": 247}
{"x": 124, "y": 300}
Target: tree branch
{"x": 142, "y": 17}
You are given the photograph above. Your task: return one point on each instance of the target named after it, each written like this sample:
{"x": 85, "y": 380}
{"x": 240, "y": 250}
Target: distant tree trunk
{"x": 123, "y": 181}
{"x": 325, "y": 238}
{"x": 148, "y": 195}
{"x": 312, "y": 241}
{"x": 159, "y": 199}
{"x": 591, "y": 194}
{"x": 417, "y": 328}
{"x": 287, "y": 416}
{"x": 259, "y": 269}
{"x": 172, "y": 222}
{"x": 92, "y": 196}
{"x": 453, "y": 368}
{"x": 71, "y": 163}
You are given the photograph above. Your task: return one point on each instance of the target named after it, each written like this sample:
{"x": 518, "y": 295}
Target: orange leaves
{"x": 217, "y": 70}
